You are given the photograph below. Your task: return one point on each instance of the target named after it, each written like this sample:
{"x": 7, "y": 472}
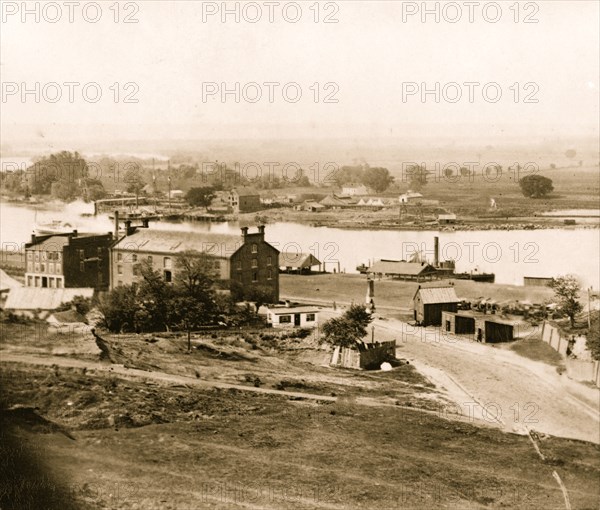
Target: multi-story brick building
{"x": 68, "y": 260}
{"x": 244, "y": 200}
{"x": 248, "y": 260}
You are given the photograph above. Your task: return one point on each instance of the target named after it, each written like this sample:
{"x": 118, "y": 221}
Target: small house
{"x": 410, "y": 196}
{"x": 243, "y": 200}
{"x": 430, "y": 302}
{"x": 293, "y": 316}
{"x": 402, "y": 270}
{"x": 177, "y": 194}
{"x": 446, "y": 219}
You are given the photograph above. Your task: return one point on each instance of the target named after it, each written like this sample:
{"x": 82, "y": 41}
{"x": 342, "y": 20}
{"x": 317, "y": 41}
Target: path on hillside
{"x": 179, "y": 380}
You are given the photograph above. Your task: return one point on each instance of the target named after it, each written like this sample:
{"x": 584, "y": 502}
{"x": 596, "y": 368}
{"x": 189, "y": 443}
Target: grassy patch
{"x": 537, "y": 350}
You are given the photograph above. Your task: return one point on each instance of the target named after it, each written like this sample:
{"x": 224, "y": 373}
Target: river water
{"x": 511, "y": 255}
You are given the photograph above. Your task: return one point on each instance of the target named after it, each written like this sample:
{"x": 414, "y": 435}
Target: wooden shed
{"x": 430, "y": 302}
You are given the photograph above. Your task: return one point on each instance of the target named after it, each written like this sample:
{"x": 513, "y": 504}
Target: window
{"x": 285, "y": 319}
{"x": 254, "y": 262}
{"x": 136, "y": 270}
{"x": 119, "y": 269}
{"x": 119, "y": 257}
{"x": 82, "y": 266}
{"x": 270, "y": 274}
{"x": 51, "y": 283}
{"x": 29, "y": 267}
{"x": 269, "y": 261}
{"x": 150, "y": 259}
{"x": 59, "y": 283}
{"x": 168, "y": 276}
{"x": 37, "y": 267}
{"x": 30, "y": 281}
{"x": 99, "y": 251}
{"x": 254, "y": 248}
{"x": 29, "y": 255}
{"x": 120, "y": 283}
{"x": 310, "y": 317}
{"x": 37, "y": 256}
{"x": 44, "y": 255}
{"x": 167, "y": 263}
{"x": 217, "y": 265}
{"x": 81, "y": 254}
{"x": 58, "y": 268}
{"x": 51, "y": 267}
{"x": 134, "y": 258}
{"x": 254, "y": 277}
{"x": 42, "y": 267}
{"x": 239, "y": 265}
{"x": 37, "y": 281}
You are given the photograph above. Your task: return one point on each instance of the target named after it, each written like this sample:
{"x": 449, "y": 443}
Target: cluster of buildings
{"x": 60, "y": 266}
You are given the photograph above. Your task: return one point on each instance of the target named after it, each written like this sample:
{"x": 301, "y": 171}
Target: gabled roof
{"x": 432, "y": 295}
{"x": 335, "y": 200}
{"x": 297, "y": 260}
{"x": 400, "y": 268}
{"x": 34, "y": 298}
{"x": 245, "y": 192}
{"x": 171, "y": 242}
{"x": 286, "y": 310}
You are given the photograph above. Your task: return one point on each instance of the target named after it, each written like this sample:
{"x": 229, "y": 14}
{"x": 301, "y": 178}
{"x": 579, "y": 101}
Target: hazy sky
{"x": 368, "y": 56}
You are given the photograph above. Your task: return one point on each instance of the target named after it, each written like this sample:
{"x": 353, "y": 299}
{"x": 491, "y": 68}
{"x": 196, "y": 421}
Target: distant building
{"x": 177, "y": 194}
{"x": 338, "y": 202}
{"x": 298, "y": 262}
{"x": 401, "y": 270}
{"x": 242, "y": 200}
{"x": 312, "y": 206}
{"x": 68, "y": 261}
{"x": 354, "y": 190}
{"x": 293, "y": 316}
{"x": 248, "y": 259}
{"x": 430, "y": 302}
{"x": 410, "y": 196}
{"x": 481, "y": 327}
{"x": 446, "y": 219}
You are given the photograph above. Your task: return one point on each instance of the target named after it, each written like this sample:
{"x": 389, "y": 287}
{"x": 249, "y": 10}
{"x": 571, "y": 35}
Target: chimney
{"x": 244, "y": 233}
{"x": 288, "y": 303}
{"x": 116, "y": 224}
{"x": 261, "y": 231}
{"x": 74, "y": 232}
{"x": 128, "y": 228}
{"x": 32, "y": 238}
{"x": 145, "y": 223}
{"x": 436, "y": 251}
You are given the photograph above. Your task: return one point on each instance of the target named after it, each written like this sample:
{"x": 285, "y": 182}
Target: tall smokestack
{"x": 436, "y": 251}
{"x": 116, "y": 224}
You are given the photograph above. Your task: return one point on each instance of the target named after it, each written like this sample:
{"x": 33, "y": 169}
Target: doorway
{"x": 296, "y": 319}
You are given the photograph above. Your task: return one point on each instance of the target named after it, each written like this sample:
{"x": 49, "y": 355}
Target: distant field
{"x": 345, "y": 288}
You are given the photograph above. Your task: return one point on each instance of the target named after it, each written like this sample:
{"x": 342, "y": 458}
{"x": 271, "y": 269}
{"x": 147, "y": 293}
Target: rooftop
{"x": 297, "y": 260}
{"x": 167, "y": 241}
{"x": 35, "y": 298}
{"x": 433, "y": 295}
{"x": 400, "y": 267}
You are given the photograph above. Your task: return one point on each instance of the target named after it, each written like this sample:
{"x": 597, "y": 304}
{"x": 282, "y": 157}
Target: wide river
{"x": 511, "y": 255}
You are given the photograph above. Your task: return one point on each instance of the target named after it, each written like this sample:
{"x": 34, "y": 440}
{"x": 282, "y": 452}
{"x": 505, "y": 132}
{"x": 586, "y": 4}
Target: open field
{"x": 395, "y": 294}
{"x": 253, "y": 420}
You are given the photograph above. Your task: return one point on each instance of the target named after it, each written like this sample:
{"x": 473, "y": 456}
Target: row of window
{"x": 283, "y": 319}
{"x": 44, "y": 281}
{"x": 41, "y": 267}
{"x": 167, "y": 262}
{"x": 254, "y": 263}
{"x": 43, "y": 255}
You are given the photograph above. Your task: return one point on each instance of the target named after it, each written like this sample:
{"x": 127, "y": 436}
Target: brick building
{"x": 248, "y": 259}
{"x": 68, "y": 260}
{"x": 244, "y": 200}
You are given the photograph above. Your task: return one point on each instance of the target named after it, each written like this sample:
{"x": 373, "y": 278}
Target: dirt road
{"x": 493, "y": 384}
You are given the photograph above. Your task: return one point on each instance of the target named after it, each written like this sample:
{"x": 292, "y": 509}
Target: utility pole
{"x": 169, "y": 179}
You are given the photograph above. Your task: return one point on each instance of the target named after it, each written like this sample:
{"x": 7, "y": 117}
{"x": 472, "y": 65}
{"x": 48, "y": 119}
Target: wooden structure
{"x": 430, "y": 302}
{"x": 401, "y": 270}
{"x": 536, "y": 281}
{"x": 301, "y": 263}
{"x": 365, "y": 356}
{"x": 293, "y": 316}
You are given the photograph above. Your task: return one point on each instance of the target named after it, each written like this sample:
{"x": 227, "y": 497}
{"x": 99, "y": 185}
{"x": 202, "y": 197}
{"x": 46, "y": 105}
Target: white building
{"x": 353, "y": 190}
{"x": 293, "y": 316}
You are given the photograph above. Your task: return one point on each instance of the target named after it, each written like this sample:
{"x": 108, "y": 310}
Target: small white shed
{"x": 293, "y": 316}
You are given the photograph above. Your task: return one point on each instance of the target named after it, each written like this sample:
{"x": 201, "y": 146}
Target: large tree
{"x": 200, "y": 197}
{"x": 566, "y": 290}
{"x": 59, "y": 174}
{"x": 417, "y": 176}
{"x": 349, "y": 329}
{"x": 378, "y": 179}
{"x": 536, "y": 186}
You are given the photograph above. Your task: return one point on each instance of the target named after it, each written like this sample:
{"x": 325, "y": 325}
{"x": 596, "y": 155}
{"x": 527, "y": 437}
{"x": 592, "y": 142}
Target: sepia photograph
{"x": 299, "y": 255}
